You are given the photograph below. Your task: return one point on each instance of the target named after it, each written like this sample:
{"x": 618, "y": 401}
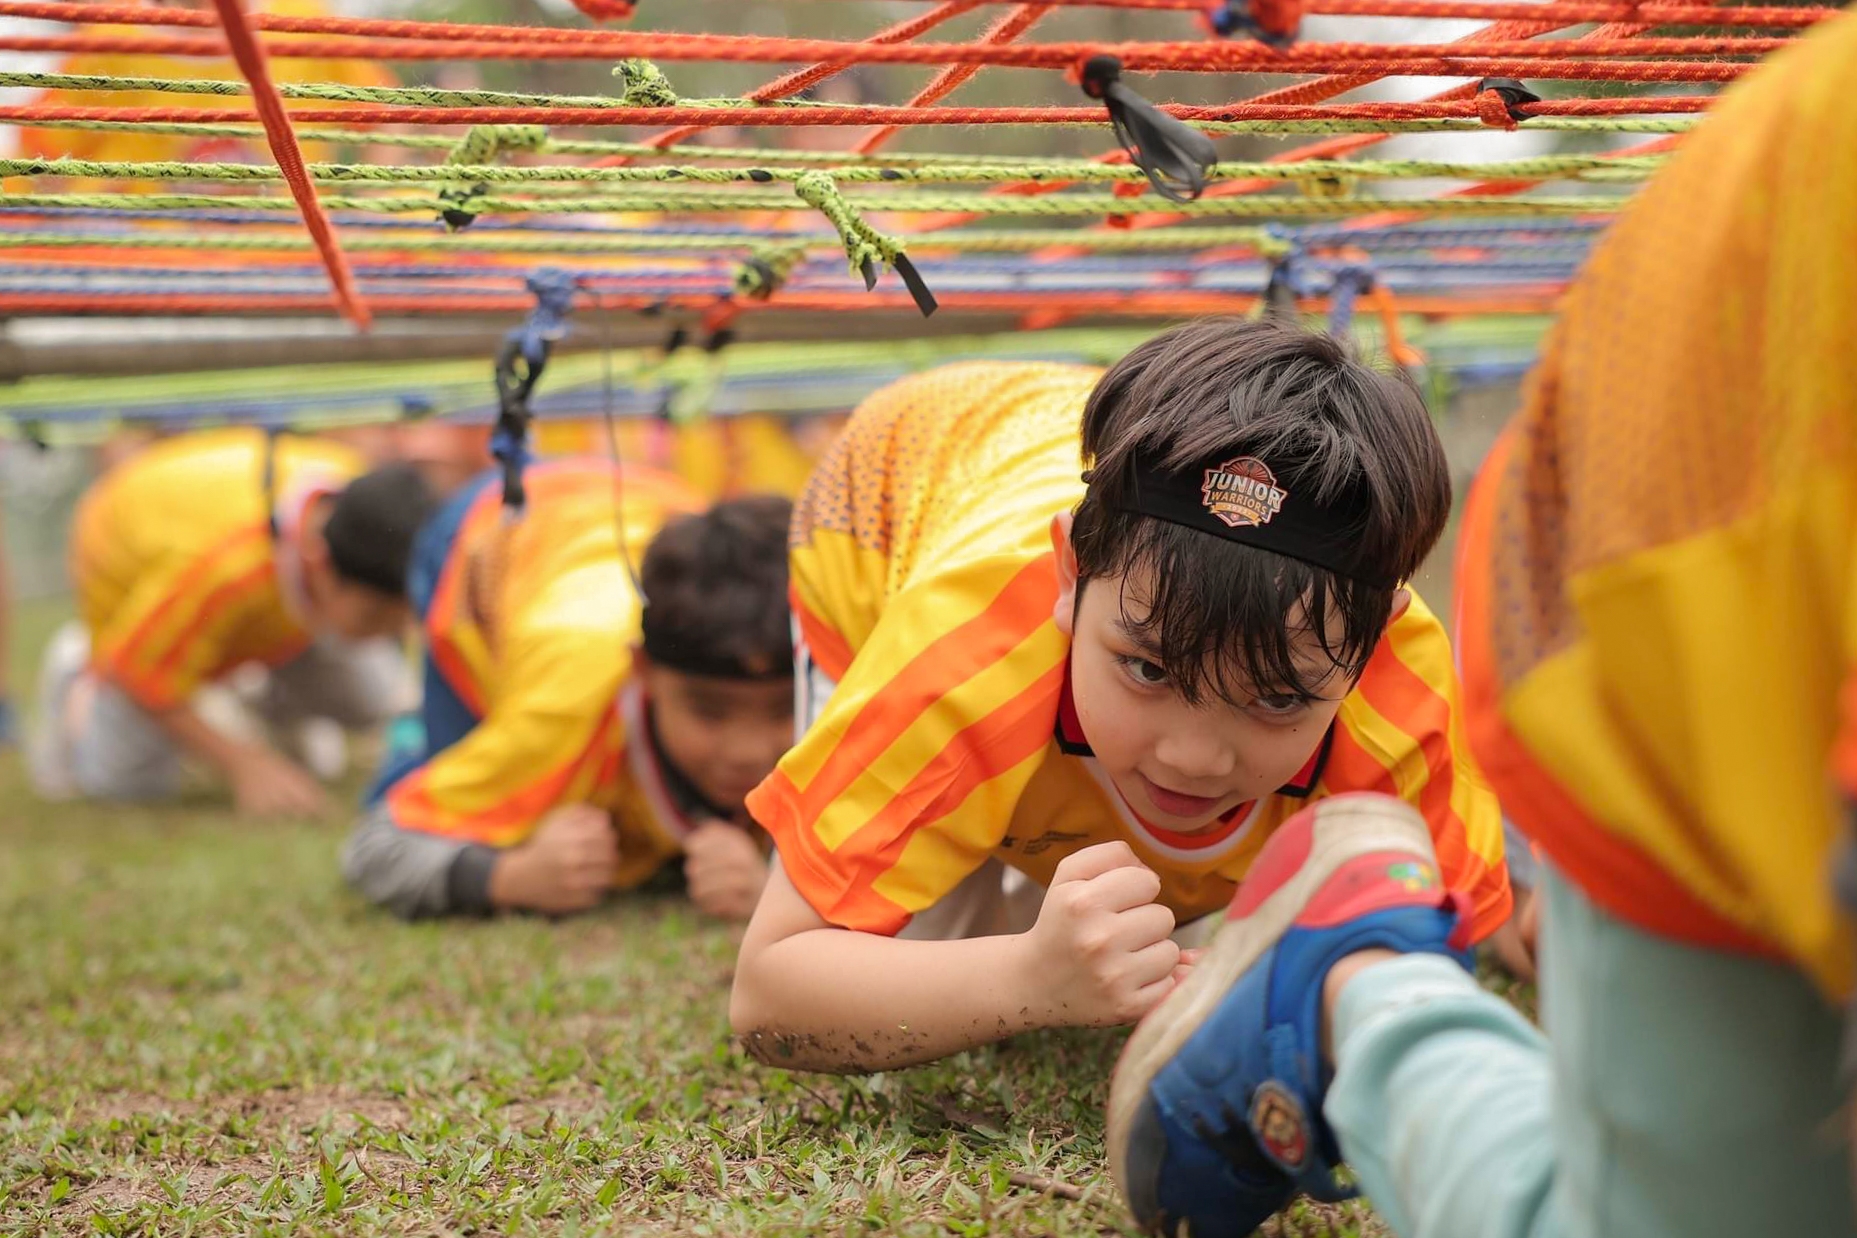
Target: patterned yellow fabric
{"x": 1657, "y": 578}
{"x": 176, "y": 568}
{"x": 923, "y": 580}
{"x": 533, "y": 624}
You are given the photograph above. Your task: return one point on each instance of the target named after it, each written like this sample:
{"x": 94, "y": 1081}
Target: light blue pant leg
{"x": 1682, "y": 1093}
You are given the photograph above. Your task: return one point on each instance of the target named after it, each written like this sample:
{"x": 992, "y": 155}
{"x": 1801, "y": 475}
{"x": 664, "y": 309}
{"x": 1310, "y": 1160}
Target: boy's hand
{"x": 1100, "y": 953}
{"x": 1514, "y": 942}
{"x": 567, "y": 865}
{"x": 268, "y": 784}
{"x": 725, "y": 869}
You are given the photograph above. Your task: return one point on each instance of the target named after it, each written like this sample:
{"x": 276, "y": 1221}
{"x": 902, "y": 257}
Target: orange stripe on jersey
{"x": 1016, "y": 731}
{"x": 187, "y": 584}
{"x": 1020, "y": 608}
{"x": 1403, "y": 698}
{"x": 830, "y": 652}
{"x": 1616, "y": 874}
{"x": 504, "y": 823}
{"x": 149, "y": 670}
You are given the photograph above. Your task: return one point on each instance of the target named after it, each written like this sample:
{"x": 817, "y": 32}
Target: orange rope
{"x": 248, "y": 54}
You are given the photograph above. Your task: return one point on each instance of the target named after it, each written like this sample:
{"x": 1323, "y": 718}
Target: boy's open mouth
{"x": 1176, "y": 803}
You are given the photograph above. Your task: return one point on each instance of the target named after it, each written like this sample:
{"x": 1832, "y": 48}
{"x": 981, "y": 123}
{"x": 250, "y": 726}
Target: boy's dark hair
{"x": 372, "y": 524}
{"x": 716, "y": 590}
{"x": 1221, "y": 616}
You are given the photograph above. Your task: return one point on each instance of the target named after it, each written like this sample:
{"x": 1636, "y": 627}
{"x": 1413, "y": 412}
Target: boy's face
{"x": 725, "y": 735}
{"x": 1181, "y": 767}
{"x": 349, "y": 610}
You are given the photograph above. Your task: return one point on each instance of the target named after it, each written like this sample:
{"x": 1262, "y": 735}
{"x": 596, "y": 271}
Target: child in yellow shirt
{"x": 576, "y": 742}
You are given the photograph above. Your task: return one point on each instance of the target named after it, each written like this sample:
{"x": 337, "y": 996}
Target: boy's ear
{"x": 1065, "y": 610}
{"x": 1402, "y": 600}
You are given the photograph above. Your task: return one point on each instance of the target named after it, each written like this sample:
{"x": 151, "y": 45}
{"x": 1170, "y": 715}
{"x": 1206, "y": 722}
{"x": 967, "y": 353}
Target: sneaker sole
{"x": 1345, "y": 826}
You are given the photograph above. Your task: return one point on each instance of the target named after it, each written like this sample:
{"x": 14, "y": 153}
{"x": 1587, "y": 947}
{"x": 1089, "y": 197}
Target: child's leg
{"x": 118, "y": 752}
{"x": 1682, "y": 1092}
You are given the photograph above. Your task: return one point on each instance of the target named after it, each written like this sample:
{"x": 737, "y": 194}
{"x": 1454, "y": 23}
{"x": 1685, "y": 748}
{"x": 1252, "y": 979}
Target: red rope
{"x": 605, "y": 10}
{"x": 1555, "y": 13}
{"x": 793, "y": 83}
{"x": 366, "y": 114}
{"x": 945, "y": 83}
{"x": 1506, "y": 58}
{"x": 248, "y": 53}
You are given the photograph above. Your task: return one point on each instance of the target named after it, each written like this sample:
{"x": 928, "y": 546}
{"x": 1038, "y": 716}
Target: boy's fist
{"x": 1100, "y": 954}
{"x": 725, "y": 869}
{"x": 567, "y": 865}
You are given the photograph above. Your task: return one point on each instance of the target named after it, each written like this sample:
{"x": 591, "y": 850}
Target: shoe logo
{"x": 1414, "y": 876}
{"x": 1281, "y": 1127}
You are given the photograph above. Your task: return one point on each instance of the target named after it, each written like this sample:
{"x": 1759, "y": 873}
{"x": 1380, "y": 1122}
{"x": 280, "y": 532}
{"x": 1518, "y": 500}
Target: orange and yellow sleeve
{"x": 908, "y": 779}
{"x": 550, "y": 727}
{"x": 1401, "y": 732}
{"x": 174, "y": 629}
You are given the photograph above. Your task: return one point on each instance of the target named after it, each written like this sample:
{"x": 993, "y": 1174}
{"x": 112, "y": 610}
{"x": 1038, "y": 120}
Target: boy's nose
{"x": 1196, "y": 754}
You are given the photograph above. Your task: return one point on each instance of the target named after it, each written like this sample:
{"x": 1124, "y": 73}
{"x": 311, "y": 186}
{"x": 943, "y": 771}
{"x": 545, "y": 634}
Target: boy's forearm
{"x": 845, "y": 1002}
{"x": 193, "y": 733}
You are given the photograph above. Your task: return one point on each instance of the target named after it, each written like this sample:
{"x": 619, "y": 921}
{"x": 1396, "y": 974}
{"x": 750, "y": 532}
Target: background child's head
{"x": 354, "y": 564}
{"x": 1257, "y": 498}
{"x": 717, "y": 655}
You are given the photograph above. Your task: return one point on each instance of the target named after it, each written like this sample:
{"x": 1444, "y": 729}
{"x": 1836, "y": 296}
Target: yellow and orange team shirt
{"x": 532, "y": 624}
{"x": 718, "y": 457}
{"x": 1657, "y": 606}
{"x": 923, "y": 582}
{"x": 186, "y": 567}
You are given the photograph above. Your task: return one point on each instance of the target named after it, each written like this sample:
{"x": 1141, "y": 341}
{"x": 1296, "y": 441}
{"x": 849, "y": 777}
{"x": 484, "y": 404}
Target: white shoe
{"x": 48, "y": 746}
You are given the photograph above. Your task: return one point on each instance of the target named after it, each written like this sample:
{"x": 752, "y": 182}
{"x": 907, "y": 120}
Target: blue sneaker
{"x": 1215, "y": 1113}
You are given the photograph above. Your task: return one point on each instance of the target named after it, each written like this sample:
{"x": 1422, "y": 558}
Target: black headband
{"x": 1238, "y": 497}
{"x": 666, "y": 649}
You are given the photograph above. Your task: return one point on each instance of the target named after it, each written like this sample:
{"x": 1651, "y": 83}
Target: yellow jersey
{"x": 1658, "y": 620}
{"x": 183, "y": 572}
{"x": 532, "y": 624}
{"x": 923, "y": 580}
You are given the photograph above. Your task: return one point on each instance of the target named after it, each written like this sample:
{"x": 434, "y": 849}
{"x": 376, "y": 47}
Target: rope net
{"x": 235, "y": 158}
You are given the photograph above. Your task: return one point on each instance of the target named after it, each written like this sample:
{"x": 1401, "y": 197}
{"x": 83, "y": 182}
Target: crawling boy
{"x": 575, "y": 743}
{"x": 1047, "y": 720}
{"x": 206, "y": 553}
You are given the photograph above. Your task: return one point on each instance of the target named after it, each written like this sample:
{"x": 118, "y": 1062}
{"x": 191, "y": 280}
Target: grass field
{"x": 202, "y": 1031}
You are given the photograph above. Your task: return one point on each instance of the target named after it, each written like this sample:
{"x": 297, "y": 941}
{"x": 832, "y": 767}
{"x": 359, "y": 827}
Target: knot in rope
{"x": 1273, "y": 22}
{"x": 606, "y": 10}
{"x": 766, "y": 269}
{"x": 643, "y": 84}
{"x": 519, "y": 365}
{"x": 1501, "y": 100}
{"x": 1349, "y": 282}
{"x": 865, "y": 246}
{"x": 1176, "y": 157}
{"x": 458, "y": 206}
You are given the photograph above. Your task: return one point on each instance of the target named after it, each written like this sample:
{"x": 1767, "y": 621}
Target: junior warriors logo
{"x": 1243, "y": 491}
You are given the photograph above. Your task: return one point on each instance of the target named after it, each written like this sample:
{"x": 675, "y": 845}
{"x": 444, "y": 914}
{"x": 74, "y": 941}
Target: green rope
{"x": 771, "y": 158}
{"x": 865, "y": 246}
{"x": 1017, "y": 241}
{"x": 457, "y": 204}
{"x": 481, "y": 172}
{"x": 766, "y": 268}
{"x": 339, "y": 92}
{"x": 643, "y": 84}
{"x": 860, "y": 239}
{"x": 483, "y": 143}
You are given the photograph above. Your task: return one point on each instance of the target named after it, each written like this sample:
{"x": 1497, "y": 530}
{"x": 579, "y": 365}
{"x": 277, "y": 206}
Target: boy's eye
{"x": 1279, "y": 704}
{"x": 1146, "y": 673}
